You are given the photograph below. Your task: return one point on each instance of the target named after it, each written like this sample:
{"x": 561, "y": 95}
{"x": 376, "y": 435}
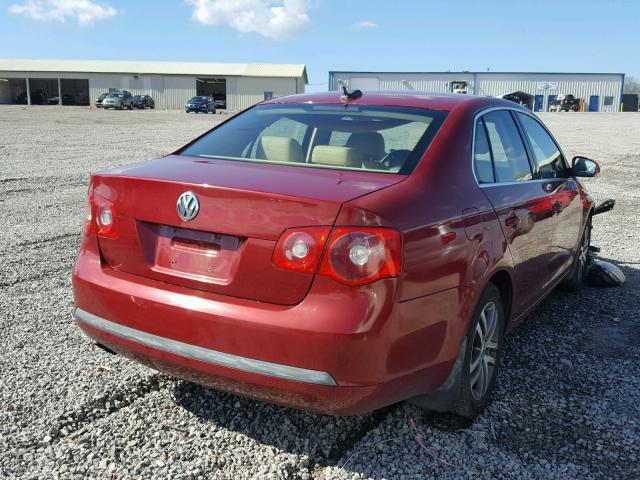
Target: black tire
{"x": 574, "y": 280}
{"x": 473, "y": 398}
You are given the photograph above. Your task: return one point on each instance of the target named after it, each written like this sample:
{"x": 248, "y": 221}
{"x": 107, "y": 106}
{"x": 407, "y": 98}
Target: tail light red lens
{"x": 358, "y": 255}
{"x": 299, "y": 249}
{"x": 89, "y": 226}
{"x": 100, "y": 217}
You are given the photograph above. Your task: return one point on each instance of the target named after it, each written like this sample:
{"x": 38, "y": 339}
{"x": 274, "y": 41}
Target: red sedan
{"x": 336, "y": 253}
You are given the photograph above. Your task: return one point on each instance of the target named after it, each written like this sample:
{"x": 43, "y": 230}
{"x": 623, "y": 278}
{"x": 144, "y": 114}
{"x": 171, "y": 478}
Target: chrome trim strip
{"x": 206, "y": 355}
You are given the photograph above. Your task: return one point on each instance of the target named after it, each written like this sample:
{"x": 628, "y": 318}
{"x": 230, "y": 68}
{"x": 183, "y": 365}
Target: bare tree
{"x": 632, "y": 85}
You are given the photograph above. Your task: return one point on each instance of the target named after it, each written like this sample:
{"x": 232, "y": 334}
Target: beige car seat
{"x": 336, "y": 156}
{"x": 279, "y": 149}
{"x": 369, "y": 144}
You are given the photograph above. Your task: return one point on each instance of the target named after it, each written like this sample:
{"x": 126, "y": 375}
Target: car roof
{"x": 434, "y": 101}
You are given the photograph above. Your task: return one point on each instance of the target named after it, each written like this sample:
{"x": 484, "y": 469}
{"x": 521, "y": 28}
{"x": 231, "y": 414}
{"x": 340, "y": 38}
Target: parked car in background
{"x": 200, "y": 104}
{"x": 220, "y": 101}
{"x": 118, "y": 100}
{"x": 37, "y": 98}
{"x": 67, "y": 99}
{"x": 143, "y": 101}
{"x": 337, "y": 253}
{"x": 565, "y": 103}
{"x": 100, "y": 99}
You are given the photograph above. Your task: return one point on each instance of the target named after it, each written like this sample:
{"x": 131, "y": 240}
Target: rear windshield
{"x": 351, "y": 137}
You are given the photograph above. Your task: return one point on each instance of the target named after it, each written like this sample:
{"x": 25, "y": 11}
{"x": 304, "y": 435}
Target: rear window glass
{"x": 352, "y": 137}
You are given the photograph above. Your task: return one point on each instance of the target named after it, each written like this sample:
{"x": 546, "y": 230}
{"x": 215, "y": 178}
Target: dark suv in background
{"x": 199, "y": 104}
{"x": 143, "y": 101}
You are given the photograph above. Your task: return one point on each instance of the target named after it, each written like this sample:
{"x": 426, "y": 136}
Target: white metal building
{"x": 170, "y": 84}
{"x": 601, "y": 92}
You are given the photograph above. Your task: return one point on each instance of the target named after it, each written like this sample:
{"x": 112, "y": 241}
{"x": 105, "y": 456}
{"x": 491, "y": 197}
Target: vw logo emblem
{"x": 188, "y": 206}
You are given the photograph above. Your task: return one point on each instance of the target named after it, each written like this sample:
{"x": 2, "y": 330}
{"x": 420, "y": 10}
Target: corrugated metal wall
{"x": 584, "y": 87}
{"x": 172, "y": 91}
{"x": 247, "y": 91}
{"x": 491, "y": 84}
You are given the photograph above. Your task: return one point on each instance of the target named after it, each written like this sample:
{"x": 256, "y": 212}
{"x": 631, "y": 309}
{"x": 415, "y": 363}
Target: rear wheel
{"x": 482, "y": 355}
{"x": 468, "y": 388}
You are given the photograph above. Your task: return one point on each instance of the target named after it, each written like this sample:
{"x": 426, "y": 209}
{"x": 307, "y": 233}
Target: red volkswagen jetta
{"x": 336, "y": 253}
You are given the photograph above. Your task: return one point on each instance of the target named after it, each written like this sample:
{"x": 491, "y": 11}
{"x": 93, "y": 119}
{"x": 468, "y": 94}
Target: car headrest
{"x": 280, "y": 149}
{"x": 337, "y": 156}
{"x": 370, "y": 144}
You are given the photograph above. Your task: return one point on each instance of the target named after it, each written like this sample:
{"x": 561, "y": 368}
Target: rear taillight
{"x": 359, "y": 255}
{"x": 89, "y": 226}
{"x": 100, "y": 217}
{"x": 353, "y": 255}
{"x": 300, "y": 249}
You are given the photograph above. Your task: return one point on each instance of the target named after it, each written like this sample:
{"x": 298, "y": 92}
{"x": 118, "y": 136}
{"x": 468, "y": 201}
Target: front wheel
{"x": 578, "y": 270}
{"x": 482, "y": 356}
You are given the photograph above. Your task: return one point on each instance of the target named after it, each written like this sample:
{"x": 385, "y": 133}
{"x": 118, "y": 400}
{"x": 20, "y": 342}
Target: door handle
{"x": 512, "y": 221}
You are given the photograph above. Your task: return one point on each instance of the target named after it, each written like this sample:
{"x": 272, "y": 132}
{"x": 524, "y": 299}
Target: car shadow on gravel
{"x": 554, "y": 406}
{"x": 323, "y": 438}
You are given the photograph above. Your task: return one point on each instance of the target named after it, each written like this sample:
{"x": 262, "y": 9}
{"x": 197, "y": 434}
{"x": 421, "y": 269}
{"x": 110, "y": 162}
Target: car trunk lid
{"x": 244, "y": 207}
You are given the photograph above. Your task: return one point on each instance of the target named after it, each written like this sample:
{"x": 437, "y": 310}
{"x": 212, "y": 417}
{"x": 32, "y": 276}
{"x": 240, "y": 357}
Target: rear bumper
{"x": 194, "y": 352}
{"x": 340, "y": 351}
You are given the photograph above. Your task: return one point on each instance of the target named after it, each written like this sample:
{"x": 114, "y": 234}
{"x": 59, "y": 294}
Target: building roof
{"x": 161, "y": 68}
{"x": 382, "y": 72}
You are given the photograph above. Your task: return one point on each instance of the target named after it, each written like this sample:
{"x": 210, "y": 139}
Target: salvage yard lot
{"x": 567, "y": 404}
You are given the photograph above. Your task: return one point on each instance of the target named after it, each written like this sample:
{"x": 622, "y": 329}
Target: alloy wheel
{"x": 484, "y": 351}
{"x": 583, "y": 257}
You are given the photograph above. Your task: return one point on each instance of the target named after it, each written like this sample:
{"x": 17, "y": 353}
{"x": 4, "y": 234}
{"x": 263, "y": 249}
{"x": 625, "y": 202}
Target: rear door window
{"x": 546, "y": 153}
{"x": 509, "y": 156}
{"x": 482, "y": 164}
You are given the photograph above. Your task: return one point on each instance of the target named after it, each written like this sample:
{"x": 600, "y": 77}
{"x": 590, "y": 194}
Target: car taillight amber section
{"x": 100, "y": 218}
{"x": 299, "y": 249}
{"x": 358, "y": 255}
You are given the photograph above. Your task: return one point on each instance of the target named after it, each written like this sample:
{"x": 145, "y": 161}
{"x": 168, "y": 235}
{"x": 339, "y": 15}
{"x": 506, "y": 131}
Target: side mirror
{"x": 585, "y": 167}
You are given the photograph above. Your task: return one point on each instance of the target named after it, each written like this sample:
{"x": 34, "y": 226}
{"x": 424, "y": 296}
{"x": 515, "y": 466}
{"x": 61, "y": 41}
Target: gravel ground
{"x": 567, "y": 404}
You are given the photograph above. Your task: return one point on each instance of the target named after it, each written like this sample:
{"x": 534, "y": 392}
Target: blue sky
{"x": 414, "y": 35}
